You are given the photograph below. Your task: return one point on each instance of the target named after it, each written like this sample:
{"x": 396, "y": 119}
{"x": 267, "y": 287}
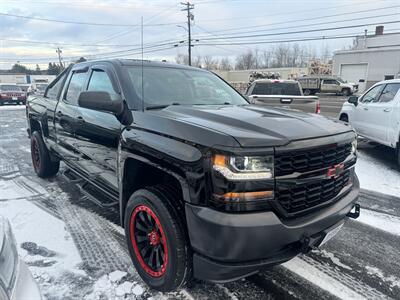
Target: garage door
{"x": 356, "y": 73}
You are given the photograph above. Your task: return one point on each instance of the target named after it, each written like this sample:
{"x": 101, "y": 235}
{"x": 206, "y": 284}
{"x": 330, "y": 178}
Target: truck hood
{"x": 255, "y": 126}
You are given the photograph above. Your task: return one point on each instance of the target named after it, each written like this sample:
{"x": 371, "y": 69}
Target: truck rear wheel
{"x": 157, "y": 240}
{"x": 346, "y": 92}
{"x": 42, "y": 164}
{"x": 398, "y": 154}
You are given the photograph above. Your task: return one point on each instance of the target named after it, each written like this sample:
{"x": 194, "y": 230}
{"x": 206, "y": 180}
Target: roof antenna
{"x": 142, "y": 66}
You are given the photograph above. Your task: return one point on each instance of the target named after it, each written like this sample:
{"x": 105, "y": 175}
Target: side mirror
{"x": 100, "y": 101}
{"x": 353, "y": 100}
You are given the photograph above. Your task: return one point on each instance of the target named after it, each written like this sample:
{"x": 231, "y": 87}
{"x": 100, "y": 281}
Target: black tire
{"x": 346, "y": 92}
{"x": 398, "y": 154}
{"x": 42, "y": 164}
{"x": 173, "y": 268}
{"x": 307, "y": 92}
{"x": 344, "y": 118}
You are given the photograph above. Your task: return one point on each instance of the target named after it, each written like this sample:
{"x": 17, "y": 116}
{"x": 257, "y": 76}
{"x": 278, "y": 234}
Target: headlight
{"x": 354, "y": 147}
{"x": 244, "y": 167}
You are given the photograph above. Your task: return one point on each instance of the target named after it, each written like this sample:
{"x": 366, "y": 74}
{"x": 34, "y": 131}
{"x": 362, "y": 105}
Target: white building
{"x": 372, "y": 59}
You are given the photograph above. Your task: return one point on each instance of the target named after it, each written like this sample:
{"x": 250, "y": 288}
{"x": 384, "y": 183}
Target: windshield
{"x": 167, "y": 86}
{"x": 341, "y": 80}
{"x": 277, "y": 88}
{"x": 41, "y": 87}
{"x": 10, "y": 87}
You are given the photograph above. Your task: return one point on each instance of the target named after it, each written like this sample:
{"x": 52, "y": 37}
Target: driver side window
{"x": 372, "y": 95}
{"x": 100, "y": 82}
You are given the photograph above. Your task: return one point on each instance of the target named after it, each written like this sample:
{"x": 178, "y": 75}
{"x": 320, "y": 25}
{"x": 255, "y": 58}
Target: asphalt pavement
{"x": 331, "y": 104}
{"x": 360, "y": 262}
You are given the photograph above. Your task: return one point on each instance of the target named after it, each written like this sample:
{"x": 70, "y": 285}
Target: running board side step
{"x": 94, "y": 194}
{"x": 71, "y": 177}
{"x": 356, "y": 213}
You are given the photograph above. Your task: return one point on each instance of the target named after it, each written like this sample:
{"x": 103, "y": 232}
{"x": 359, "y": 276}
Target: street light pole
{"x": 190, "y": 17}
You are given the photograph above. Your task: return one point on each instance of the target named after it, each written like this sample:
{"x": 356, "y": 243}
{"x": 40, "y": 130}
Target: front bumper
{"x": 230, "y": 246}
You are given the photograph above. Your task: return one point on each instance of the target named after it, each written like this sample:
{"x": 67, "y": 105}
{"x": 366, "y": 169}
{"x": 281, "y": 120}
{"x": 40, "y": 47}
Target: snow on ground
{"x": 379, "y": 220}
{"x": 312, "y": 274}
{"x": 44, "y": 244}
{"x": 12, "y": 107}
{"x": 377, "y": 176}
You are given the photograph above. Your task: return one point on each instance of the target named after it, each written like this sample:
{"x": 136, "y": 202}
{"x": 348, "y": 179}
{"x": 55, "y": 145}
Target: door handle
{"x": 387, "y": 109}
{"x": 365, "y": 108}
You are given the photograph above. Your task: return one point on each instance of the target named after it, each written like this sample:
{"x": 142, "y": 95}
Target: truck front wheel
{"x": 307, "y": 92}
{"x": 398, "y": 154}
{"x": 41, "y": 160}
{"x": 156, "y": 239}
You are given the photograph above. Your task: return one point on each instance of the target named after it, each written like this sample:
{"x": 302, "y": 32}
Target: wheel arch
{"x": 137, "y": 173}
{"x": 344, "y": 114}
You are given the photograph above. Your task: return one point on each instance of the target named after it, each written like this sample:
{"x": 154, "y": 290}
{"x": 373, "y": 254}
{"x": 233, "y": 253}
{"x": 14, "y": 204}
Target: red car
{"x": 11, "y": 93}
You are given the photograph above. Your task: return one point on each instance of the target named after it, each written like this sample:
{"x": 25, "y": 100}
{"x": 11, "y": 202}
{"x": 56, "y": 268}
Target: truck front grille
{"x": 313, "y": 159}
{"x": 294, "y": 199}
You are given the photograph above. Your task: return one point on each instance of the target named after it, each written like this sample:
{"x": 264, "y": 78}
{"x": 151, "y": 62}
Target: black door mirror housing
{"x": 101, "y": 101}
{"x": 353, "y": 100}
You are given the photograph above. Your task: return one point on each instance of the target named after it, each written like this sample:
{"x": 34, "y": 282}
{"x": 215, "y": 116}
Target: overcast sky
{"x": 215, "y": 23}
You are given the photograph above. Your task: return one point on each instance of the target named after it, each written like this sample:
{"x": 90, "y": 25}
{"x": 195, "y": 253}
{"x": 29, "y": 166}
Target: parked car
{"x": 24, "y": 87}
{"x": 207, "y": 185}
{"x": 376, "y": 114}
{"x": 16, "y": 281}
{"x": 324, "y": 84}
{"x": 11, "y": 93}
{"x": 282, "y": 93}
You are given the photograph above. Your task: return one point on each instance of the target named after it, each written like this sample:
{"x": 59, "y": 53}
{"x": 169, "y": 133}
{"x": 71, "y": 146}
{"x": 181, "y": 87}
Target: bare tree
{"x": 209, "y": 62}
{"x": 225, "y": 64}
{"x": 182, "y": 59}
{"x": 245, "y": 61}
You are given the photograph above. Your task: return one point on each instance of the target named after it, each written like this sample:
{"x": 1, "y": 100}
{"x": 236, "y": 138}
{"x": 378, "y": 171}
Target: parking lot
{"x": 331, "y": 104}
{"x": 77, "y": 251}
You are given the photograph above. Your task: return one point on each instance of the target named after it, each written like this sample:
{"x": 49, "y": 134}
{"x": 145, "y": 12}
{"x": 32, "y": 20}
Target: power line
{"x": 307, "y": 25}
{"x": 306, "y": 19}
{"x": 83, "y": 23}
{"x": 298, "y": 31}
{"x": 125, "y": 32}
{"x": 281, "y": 41}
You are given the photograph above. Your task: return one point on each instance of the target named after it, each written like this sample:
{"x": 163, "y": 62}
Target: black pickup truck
{"x": 208, "y": 186}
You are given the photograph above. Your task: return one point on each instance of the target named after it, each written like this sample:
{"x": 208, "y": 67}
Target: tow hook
{"x": 356, "y": 213}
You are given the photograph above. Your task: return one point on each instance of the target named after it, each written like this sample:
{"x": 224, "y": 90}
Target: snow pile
{"x": 377, "y": 176}
{"x": 392, "y": 280}
{"x": 113, "y": 286}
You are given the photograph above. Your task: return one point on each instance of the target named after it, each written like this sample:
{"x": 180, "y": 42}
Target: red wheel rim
{"x": 35, "y": 154}
{"x": 149, "y": 241}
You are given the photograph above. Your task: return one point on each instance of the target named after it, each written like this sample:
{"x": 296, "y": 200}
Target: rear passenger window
{"x": 76, "y": 85}
{"x": 389, "y": 92}
{"x": 99, "y": 81}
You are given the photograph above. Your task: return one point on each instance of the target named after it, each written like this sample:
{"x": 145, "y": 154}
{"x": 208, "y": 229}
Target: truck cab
{"x": 376, "y": 114}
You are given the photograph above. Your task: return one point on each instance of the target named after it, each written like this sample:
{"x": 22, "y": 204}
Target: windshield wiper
{"x": 161, "y": 106}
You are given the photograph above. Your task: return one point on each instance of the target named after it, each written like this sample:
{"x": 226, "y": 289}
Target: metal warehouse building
{"x": 373, "y": 58}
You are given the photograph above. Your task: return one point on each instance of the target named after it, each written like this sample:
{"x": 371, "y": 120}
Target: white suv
{"x": 376, "y": 114}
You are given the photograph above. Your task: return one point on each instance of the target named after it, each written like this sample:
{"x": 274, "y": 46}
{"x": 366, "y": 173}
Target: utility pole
{"x": 59, "y": 51}
{"x": 190, "y": 17}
